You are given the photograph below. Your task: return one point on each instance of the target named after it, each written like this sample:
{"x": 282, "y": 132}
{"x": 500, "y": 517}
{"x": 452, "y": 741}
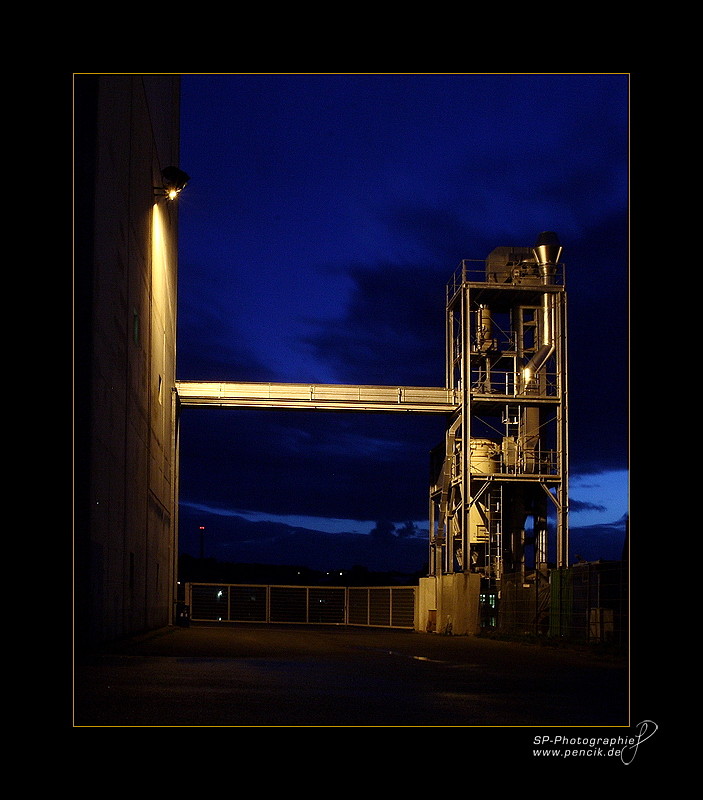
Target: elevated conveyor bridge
{"x": 316, "y": 396}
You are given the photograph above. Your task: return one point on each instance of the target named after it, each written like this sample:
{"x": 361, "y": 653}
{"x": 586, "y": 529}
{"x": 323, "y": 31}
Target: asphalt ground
{"x": 209, "y": 675}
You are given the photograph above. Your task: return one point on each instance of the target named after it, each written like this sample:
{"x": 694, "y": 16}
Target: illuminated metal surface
{"x": 499, "y": 487}
{"x": 329, "y": 397}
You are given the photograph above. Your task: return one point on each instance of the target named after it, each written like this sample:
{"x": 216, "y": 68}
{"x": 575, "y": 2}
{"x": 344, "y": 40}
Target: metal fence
{"x": 583, "y": 603}
{"x": 376, "y": 606}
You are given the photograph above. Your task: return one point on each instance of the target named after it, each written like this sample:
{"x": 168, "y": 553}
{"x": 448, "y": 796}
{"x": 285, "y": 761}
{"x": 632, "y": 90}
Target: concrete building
{"x": 126, "y": 132}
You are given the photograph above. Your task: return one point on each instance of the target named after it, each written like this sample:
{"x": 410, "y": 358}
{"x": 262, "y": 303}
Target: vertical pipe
{"x": 545, "y": 340}
{"x": 540, "y": 531}
{"x": 431, "y": 548}
{"x": 562, "y": 439}
{"x": 174, "y": 532}
{"x": 449, "y": 381}
{"x": 466, "y": 432}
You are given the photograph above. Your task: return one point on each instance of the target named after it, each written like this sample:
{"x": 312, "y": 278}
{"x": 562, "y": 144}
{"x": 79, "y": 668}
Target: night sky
{"x": 324, "y": 216}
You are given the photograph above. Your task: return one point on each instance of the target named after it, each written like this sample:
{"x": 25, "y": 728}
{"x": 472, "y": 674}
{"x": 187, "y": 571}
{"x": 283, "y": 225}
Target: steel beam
{"x": 325, "y": 397}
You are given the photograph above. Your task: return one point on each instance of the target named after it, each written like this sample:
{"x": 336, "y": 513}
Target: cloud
{"x": 578, "y": 505}
{"x": 234, "y": 539}
{"x": 393, "y": 331}
{"x": 390, "y": 546}
{"x": 605, "y": 542}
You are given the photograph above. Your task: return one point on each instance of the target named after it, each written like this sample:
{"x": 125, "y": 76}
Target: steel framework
{"x": 499, "y": 481}
{"x": 501, "y": 473}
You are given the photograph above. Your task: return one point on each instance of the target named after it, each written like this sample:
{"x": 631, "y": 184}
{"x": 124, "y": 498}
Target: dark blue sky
{"x": 324, "y": 216}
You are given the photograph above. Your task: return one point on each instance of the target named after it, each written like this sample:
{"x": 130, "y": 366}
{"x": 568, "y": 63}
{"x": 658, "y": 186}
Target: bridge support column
{"x": 449, "y": 604}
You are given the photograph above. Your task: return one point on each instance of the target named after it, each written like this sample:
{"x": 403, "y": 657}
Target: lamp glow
{"x": 174, "y": 182}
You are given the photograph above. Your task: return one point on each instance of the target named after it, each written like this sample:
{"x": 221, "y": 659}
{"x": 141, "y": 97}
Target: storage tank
{"x": 485, "y": 456}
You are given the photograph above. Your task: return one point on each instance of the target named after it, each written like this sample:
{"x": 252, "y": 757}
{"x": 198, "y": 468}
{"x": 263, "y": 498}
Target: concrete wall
{"x": 127, "y": 130}
{"x": 449, "y": 604}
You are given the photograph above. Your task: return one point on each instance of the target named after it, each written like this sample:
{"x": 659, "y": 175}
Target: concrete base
{"x": 449, "y": 604}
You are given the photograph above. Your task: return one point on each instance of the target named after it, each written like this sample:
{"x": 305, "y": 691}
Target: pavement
{"x": 210, "y": 675}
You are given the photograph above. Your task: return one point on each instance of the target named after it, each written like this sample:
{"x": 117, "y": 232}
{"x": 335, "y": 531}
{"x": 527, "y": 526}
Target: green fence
{"x": 584, "y": 603}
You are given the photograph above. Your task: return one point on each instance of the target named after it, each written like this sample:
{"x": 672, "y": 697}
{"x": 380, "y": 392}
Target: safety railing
{"x": 510, "y": 461}
{"x": 512, "y": 385}
{"x": 525, "y": 274}
{"x": 536, "y": 462}
{"x": 372, "y": 606}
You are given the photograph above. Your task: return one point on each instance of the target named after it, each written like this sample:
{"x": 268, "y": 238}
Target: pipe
{"x": 547, "y": 251}
{"x": 537, "y": 361}
{"x": 484, "y": 328}
{"x": 546, "y": 348}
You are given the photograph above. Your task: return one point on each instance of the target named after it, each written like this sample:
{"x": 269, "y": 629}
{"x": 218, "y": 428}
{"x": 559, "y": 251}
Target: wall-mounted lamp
{"x": 174, "y": 182}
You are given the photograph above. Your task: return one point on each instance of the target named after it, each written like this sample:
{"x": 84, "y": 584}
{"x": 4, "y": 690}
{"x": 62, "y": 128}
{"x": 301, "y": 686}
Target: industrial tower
{"x": 499, "y": 480}
{"x": 498, "y": 486}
